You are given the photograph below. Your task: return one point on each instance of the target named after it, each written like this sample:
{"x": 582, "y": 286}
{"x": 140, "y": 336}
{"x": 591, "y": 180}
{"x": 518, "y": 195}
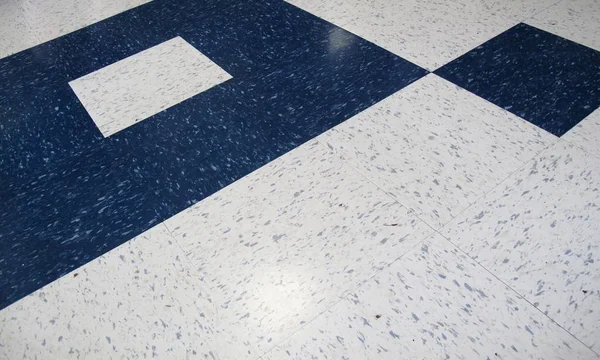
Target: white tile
{"x": 435, "y": 147}
{"x": 50, "y": 19}
{"x": 586, "y": 134}
{"x": 338, "y": 12}
{"x": 140, "y": 300}
{"x": 538, "y": 232}
{"x": 575, "y": 20}
{"x": 433, "y": 303}
{"x": 15, "y": 32}
{"x": 281, "y": 245}
{"x": 428, "y": 33}
{"x": 133, "y": 89}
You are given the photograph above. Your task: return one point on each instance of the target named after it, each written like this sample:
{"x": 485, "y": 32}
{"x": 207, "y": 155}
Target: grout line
{"x": 323, "y": 144}
{"x": 438, "y": 231}
{"x": 393, "y": 198}
{"x": 164, "y": 223}
{"x": 555, "y": 143}
{"x": 551, "y": 144}
{"x": 541, "y": 11}
{"x": 194, "y": 271}
{"x": 517, "y": 293}
{"x": 343, "y": 297}
{"x": 301, "y": 328}
{"x": 187, "y": 259}
{"x": 477, "y": 201}
{"x": 580, "y": 147}
{"x": 523, "y": 164}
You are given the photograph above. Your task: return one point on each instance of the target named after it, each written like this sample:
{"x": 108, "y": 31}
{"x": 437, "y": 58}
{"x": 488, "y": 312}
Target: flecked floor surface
{"x": 299, "y": 179}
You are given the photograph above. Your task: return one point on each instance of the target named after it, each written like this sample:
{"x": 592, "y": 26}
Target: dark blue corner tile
{"x": 547, "y": 80}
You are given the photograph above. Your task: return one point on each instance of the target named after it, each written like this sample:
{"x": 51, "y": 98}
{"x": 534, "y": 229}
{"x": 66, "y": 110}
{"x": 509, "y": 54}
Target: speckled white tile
{"x": 50, "y": 19}
{"x": 140, "y": 300}
{"x": 15, "y": 32}
{"x": 435, "y": 147}
{"x": 338, "y": 12}
{"x": 576, "y": 20}
{"x": 433, "y": 303}
{"x": 281, "y": 245}
{"x": 133, "y": 89}
{"x": 428, "y": 33}
{"x": 586, "y": 134}
{"x": 538, "y": 232}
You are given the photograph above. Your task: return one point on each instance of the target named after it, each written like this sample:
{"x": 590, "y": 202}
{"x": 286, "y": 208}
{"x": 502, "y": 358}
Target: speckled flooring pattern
{"x": 300, "y": 179}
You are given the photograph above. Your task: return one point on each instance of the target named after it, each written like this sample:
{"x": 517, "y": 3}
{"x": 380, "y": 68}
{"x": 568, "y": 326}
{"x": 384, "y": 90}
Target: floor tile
{"x": 537, "y": 231}
{"x": 281, "y": 245}
{"x": 545, "y": 79}
{"x": 575, "y": 20}
{"x": 428, "y": 33}
{"x": 435, "y": 147}
{"x": 434, "y": 303}
{"x": 15, "y": 32}
{"x": 338, "y": 12}
{"x": 272, "y": 43}
{"x": 133, "y": 89}
{"x": 50, "y": 19}
{"x": 294, "y": 77}
{"x": 586, "y": 134}
{"x": 141, "y": 300}
{"x": 291, "y": 210}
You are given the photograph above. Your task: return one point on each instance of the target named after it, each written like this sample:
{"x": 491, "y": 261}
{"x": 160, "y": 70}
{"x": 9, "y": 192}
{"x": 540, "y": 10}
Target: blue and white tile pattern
{"x": 287, "y": 180}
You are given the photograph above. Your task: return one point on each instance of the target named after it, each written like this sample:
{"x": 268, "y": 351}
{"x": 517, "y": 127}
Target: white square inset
{"x": 135, "y": 88}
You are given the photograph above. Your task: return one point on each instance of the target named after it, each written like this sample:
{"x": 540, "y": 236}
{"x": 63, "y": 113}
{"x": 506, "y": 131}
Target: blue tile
{"x": 69, "y": 194}
{"x": 547, "y": 80}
